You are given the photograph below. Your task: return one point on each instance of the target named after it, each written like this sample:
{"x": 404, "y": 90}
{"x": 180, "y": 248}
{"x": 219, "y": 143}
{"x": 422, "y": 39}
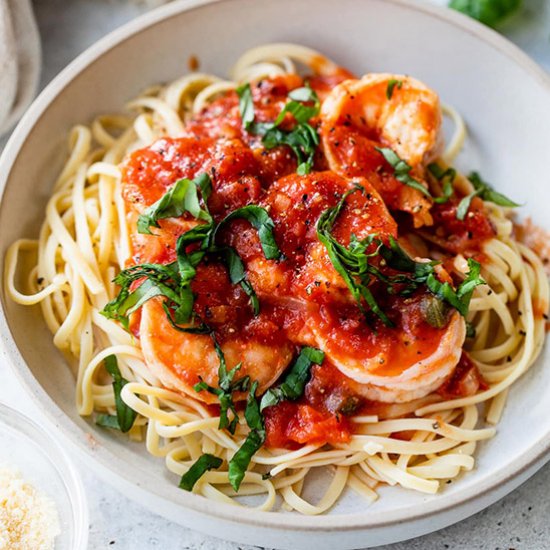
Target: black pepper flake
{"x": 449, "y": 481}
{"x": 544, "y": 316}
{"x": 40, "y": 280}
{"x": 317, "y": 283}
{"x": 304, "y": 197}
{"x": 435, "y": 426}
{"x": 336, "y": 144}
{"x": 509, "y": 359}
{"x": 470, "y": 235}
{"x": 522, "y": 333}
{"x": 520, "y": 313}
{"x": 332, "y": 129}
{"x": 490, "y": 292}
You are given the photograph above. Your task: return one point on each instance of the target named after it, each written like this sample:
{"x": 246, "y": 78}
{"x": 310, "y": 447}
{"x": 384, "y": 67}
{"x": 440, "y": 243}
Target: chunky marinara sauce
{"x": 301, "y": 288}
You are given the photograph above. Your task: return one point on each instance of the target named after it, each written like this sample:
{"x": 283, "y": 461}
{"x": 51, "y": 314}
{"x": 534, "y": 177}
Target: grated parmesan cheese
{"x": 28, "y": 519}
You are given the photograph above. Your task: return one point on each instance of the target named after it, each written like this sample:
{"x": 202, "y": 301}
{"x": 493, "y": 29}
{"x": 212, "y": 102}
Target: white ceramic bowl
{"x": 505, "y": 99}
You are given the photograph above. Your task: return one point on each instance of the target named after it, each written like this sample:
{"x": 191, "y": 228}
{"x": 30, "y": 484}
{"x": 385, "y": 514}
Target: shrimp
{"x": 180, "y": 359}
{"x": 358, "y": 116}
{"x": 392, "y": 365}
{"x": 295, "y": 204}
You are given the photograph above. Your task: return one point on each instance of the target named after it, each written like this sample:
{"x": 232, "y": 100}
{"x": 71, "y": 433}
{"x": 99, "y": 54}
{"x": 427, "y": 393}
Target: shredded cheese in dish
{"x": 263, "y": 276}
{"x": 28, "y": 519}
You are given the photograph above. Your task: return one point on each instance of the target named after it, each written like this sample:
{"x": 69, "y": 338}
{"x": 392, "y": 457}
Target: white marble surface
{"x": 519, "y": 521}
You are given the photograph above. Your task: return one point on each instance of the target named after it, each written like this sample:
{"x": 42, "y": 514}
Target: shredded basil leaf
{"x": 182, "y": 197}
{"x": 160, "y": 280}
{"x": 290, "y": 389}
{"x": 202, "y": 465}
{"x": 253, "y": 442}
{"x": 237, "y": 275}
{"x": 464, "y": 205}
{"x": 246, "y": 105}
{"x": 485, "y": 192}
{"x": 107, "y": 421}
{"x": 224, "y": 392}
{"x": 402, "y": 170}
{"x": 446, "y": 178}
{"x": 489, "y": 12}
{"x": 125, "y": 415}
{"x": 459, "y": 299}
{"x": 302, "y": 139}
{"x": 241, "y": 459}
{"x": 391, "y": 85}
{"x": 352, "y": 264}
{"x": 260, "y": 220}
{"x": 173, "y": 281}
{"x": 295, "y": 380}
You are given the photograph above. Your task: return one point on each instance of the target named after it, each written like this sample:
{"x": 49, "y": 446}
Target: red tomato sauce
{"x": 302, "y": 286}
{"x": 466, "y": 380}
{"x": 461, "y": 236}
{"x": 414, "y": 339}
{"x": 291, "y": 425}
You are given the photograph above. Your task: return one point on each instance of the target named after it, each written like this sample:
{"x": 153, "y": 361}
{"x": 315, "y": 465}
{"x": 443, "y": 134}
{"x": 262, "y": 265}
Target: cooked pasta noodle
{"x": 85, "y": 241}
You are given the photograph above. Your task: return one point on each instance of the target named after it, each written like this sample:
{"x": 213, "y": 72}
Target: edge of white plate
{"x": 488, "y": 491}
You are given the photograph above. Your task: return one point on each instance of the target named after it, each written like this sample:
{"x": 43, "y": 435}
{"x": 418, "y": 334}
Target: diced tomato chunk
{"x": 466, "y": 380}
{"x": 289, "y": 424}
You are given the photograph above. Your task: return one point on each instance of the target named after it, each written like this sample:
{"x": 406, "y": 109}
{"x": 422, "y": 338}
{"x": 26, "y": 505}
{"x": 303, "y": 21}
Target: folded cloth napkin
{"x": 20, "y": 59}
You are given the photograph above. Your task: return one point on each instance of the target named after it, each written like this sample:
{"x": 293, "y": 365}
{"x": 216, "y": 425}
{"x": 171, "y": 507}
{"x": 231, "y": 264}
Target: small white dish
{"x": 504, "y": 97}
{"x": 26, "y": 448}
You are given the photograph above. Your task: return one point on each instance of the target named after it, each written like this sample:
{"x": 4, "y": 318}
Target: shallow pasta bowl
{"x": 505, "y": 100}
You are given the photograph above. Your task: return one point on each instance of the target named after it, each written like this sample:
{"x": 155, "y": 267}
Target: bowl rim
{"x": 533, "y": 457}
{"x": 66, "y": 469}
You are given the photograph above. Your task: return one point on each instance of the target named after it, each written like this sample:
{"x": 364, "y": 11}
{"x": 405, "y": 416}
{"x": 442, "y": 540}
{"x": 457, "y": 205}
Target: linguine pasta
{"x": 86, "y": 240}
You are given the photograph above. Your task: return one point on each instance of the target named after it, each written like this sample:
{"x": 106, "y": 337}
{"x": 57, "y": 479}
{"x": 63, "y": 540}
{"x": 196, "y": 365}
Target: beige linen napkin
{"x": 20, "y": 58}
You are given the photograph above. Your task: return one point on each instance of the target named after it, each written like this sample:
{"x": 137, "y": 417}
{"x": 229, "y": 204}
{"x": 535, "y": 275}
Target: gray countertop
{"x": 519, "y": 521}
